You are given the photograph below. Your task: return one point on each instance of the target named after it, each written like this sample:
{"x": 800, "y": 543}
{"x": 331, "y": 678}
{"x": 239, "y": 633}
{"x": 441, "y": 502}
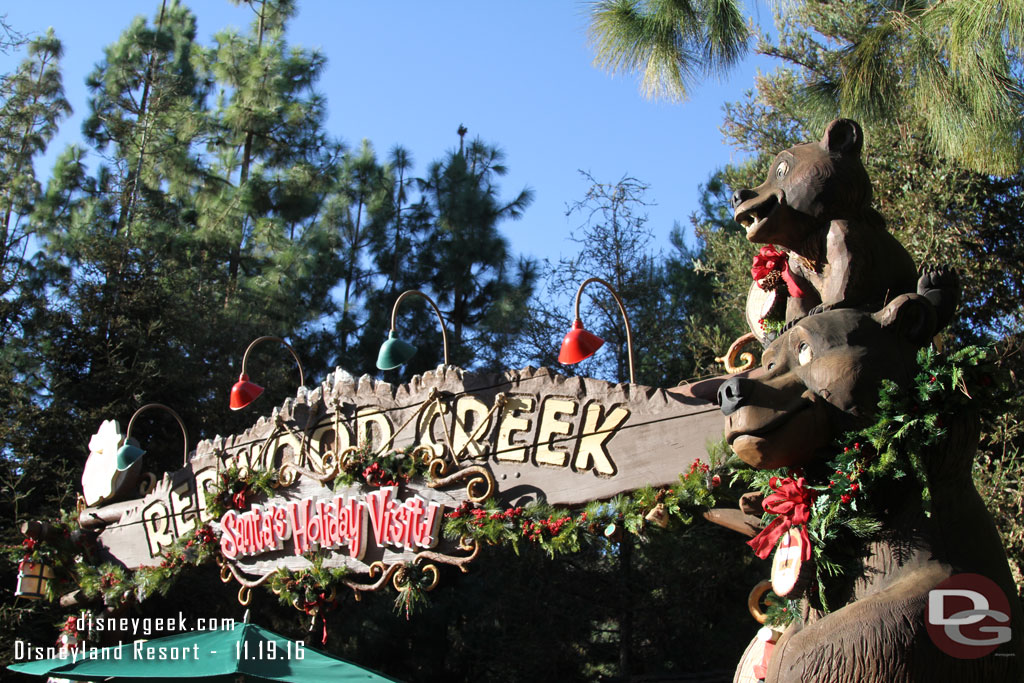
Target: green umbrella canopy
{"x": 247, "y": 649}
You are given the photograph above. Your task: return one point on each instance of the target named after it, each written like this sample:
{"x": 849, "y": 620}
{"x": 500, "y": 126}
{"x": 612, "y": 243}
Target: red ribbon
{"x": 316, "y": 609}
{"x": 791, "y": 502}
{"x": 769, "y": 259}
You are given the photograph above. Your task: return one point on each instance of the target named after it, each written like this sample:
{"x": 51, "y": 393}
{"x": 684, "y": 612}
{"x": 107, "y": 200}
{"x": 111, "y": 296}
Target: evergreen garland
{"x": 117, "y": 585}
{"x": 363, "y": 466}
{"x": 780, "y": 612}
{"x": 413, "y": 583}
{"x": 909, "y": 424}
{"x": 235, "y": 488}
{"x": 309, "y": 588}
{"x": 64, "y": 548}
{"x": 560, "y": 531}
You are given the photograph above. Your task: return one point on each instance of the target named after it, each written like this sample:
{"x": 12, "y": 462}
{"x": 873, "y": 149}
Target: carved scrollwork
{"x": 437, "y": 467}
{"x": 228, "y": 572}
{"x": 387, "y": 571}
{"x": 400, "y": 580}
{"x": 147, "y": 484}
{"x": 478, "y": 477}
{"x": 289, "y": 472}
{"x": 733, "y": 355}
{"x": 465, "y": 543}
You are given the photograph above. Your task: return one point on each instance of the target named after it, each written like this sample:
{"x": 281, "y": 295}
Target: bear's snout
{"x": 740, "y": 196}
{"x": 734, "y": 394}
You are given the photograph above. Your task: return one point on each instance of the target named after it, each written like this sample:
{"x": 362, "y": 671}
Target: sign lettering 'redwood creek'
{"x": 517, "y": 436}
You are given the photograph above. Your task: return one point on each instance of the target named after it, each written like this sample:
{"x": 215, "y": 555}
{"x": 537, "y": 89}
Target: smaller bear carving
{"x": 816, "y": 204}
{"x": 820, "y": 379}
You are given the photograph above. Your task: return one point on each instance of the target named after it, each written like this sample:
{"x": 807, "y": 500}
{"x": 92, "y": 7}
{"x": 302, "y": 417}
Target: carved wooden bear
{"x": 820, "y": 379}
{"x": 816, "y": 204}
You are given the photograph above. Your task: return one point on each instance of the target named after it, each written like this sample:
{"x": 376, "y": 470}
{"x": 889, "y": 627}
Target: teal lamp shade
{"x": 127, "y": 455}
{"x": 578, "y": 344}
{"x": 394, "y": 352}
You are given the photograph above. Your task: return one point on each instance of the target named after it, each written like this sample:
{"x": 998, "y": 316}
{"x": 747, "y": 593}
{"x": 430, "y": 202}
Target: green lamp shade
{"x": 578, "y": 344}
{"x": 394, "y": 352}
{"x": 127, "y": 455}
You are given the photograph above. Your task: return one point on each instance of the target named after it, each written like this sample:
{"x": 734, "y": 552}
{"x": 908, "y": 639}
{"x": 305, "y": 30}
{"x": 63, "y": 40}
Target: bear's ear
{"x": 909, "y": 316}
{"x": 843, "y": 136}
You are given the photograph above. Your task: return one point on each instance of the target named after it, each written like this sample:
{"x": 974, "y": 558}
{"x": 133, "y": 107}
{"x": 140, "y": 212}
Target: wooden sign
{"x": 515, "y": 437}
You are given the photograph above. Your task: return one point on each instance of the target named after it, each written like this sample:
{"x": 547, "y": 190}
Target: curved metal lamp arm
{"x": 175, "y": 415}
{"x": 408, "y": 292}
{"x": 625, "y": 318}
{"x": 282, "y": 342}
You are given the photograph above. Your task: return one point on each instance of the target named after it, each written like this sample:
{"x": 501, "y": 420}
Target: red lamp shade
{"x": 244, "y": 392}
{"x": 578, "y": 344}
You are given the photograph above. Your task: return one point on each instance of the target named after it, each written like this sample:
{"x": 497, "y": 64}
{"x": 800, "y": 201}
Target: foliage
{"x": 559, "y": 531}
{"x": 950, "y": 67}
{"x": 670, "y": 42}
{"x": 664, "y": 298}
{"x": 236, "y": 486}
{"x": 364, "y": 466}
{"x": 413, "y": 581}
{"x": 467, "y": 265}
{"x": 312, "y": 587}
{"x": 220, "y": 197}
{"x": 117, "y": 586}
{"x": 999, "y": 481}
{"x": 852, "y": 490}
{"x": 780, "y": 612}
{"x": 61, "y": 546}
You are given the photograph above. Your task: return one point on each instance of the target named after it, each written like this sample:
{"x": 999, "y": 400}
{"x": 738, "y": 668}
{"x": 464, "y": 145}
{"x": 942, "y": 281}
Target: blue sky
{"x": 516, "y": 74}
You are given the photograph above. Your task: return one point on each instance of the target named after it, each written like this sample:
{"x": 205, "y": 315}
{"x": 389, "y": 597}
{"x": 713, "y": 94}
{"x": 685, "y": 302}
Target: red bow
{"x": 769, "y": 259}
{"x": 791, "y": 502}
{"x": 317, "y": 608}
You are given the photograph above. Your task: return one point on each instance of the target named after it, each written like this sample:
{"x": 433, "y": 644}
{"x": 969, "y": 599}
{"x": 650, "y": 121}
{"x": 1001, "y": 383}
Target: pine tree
{"x": 272, "y": 163}
{"x": 33, "y": 105}
{"x": 361, "y": 210}
{"x": 466, "y": 260}
{"x": 949, "y": 68}
{"x": 670, "y": 42}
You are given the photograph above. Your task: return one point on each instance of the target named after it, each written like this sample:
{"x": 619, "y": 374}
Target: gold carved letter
{"x": 369, "y": 420}
{"x": 550, "y": 427}
{"x": 425, "y": 428}
{"x": 511, "y": 424}
{"x": 464, "y": 427}
{"x": 594, "y": 435}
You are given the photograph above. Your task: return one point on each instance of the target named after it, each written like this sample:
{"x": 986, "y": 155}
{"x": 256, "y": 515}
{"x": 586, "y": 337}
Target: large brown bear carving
{"x": 821, "y": 379}
{"x": 816, "y": 204}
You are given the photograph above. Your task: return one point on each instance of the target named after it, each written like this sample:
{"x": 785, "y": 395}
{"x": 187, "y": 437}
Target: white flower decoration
{"x": 100, "y": 476}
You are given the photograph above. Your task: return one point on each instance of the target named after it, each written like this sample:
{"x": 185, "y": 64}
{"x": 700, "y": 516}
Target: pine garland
{"x": 117, "y": 585}
{"x": 414, "y": 582}
{"x": 236, "y": 487}
{"x": 780, "y": 612}
{"x": 560, "y": 531}
{"x": 307, "y": 588}
{"x": 910, "y": 423}
{"x": 363, "y": 466}
{"x": 64, "y": 548}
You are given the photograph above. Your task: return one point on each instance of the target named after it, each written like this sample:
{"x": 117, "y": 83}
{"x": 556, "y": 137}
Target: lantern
{"x": 32, "y": 578}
